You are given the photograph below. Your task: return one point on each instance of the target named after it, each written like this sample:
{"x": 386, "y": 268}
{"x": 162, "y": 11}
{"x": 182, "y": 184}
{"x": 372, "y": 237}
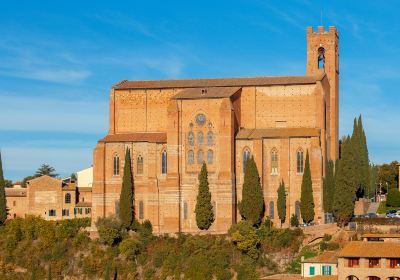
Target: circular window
{"x": 200, "y": 119}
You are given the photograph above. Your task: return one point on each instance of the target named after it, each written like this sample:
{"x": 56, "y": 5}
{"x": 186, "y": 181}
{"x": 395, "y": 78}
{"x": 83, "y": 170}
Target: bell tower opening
{"x": 321, "y": 58}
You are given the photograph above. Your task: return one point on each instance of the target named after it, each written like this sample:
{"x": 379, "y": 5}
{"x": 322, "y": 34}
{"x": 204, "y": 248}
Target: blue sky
{"x": 58, "y": 60}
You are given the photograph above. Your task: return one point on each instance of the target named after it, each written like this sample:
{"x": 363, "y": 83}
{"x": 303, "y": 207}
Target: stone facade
{"x": 172, "y": 126}
{"x": 49, "y": 198}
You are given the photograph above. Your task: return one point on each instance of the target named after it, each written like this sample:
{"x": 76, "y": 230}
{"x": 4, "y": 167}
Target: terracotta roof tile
{"x": 152, "y": 137}
{"x": 372, "y": 249}
{"x": 83, "y": 204}
{"x": 381, "y": 235}
{"x": 325, "y": 257}
{"x": 209, "y": 92}
{"x": 323, "y": 277}
{"x": 20, "y": 192}
{"x": 277, "y": 132}
{"x": 218, "y": 82}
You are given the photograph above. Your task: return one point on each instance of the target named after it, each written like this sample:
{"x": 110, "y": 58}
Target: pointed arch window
{"x": 190, "y": 157}
{"x": 141, "y": 210}
{"x": 246, "y": 157}
{"x": 185, "y": 210}
{"x": 300, "y": 161}
{"x": 210, "y": 138}
{"x": 297, "y": 209}
{"x": 200, "y": 157}
{"x": 321, "y": 58}
{"x": 271, "y": 210}
{"x": 191, "y": 138}
{"x": 164, "y": 162}
{"x": 139, "y": 169}
{"x": 67, "y": 198}
{"x": 116, "y": 165}
{"x": 200, "y": 138}
{"x": 274, "y": 162}
{"x": 210, "y": 156}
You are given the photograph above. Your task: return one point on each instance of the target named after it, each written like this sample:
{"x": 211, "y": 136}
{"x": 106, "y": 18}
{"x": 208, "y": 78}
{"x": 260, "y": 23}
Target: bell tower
{"x": 323, "y": 54}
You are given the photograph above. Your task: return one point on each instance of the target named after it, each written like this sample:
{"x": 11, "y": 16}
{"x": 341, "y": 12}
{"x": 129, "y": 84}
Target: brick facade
{"x": 218, "y": 120}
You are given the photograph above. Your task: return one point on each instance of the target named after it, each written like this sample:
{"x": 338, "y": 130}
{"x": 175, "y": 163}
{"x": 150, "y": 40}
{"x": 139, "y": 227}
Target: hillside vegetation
{"x": 33, "y": 248}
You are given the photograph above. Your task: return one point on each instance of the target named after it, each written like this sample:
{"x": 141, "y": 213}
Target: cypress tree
{"x": 307, "y": 198}
{"x": 329, "y": 187}
{"x": 345, "y": 185}
{"x": 251, "y": 207}
{"x": 126, "y": 200}
{"x": 365, "y": 168}
{"x": 355, "y": 145}
{"x": 204, "y": 209}
{"x": 282, "y": 202}
{"x": 3, "y": 203}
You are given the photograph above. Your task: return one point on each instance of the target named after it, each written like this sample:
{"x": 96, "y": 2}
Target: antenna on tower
{"x": 321, "y": 23}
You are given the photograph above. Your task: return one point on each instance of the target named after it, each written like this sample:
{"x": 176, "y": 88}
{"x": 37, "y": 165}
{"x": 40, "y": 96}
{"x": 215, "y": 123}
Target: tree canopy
{"x": 307, "y": 197}
{"x": 204, "y": 208}
{"x": 126, "y": 200}
{"x": 282, "y": 202}
{"x": 46, "y": 169}
{"x": 251, "y": 207}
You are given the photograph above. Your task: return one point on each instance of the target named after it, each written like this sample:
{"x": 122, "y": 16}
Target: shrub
{"x": 245, "y": 237}
{"x": 294, "y": 221}
{"x": 129, "y": 247}
{"x": 327, "y": 237}
{"x": 110, "y": 230}
{"x": 393, "y": 198}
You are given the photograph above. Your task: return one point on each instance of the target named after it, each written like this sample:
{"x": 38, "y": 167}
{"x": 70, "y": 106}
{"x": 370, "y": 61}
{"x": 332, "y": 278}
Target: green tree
{"x": 3, "y": 202}
{"x": 73, "y": 176}
{"x": 107, "y": 272}
{"x": 294, "y": 221}
{"x": 393, "y": 198}
{"x": 45, "y": 169}
{"x": 307, "y": 198}
{"x": 251, "y": 207}
{"x": 388, "y": 175}
{"x": 26, "y": 179}
{"x": 245, "y": 237}
{"x": 364, "y": 156}
{"x": 328, "y": 187}
{"x": 49, "y": 273}
{"x": 346, "y": 184}
{"x": 126, "y": 200}
{"x": 282, "y": 202}
{"x": 373, "y": 180}
{"x": 204, "y": 209}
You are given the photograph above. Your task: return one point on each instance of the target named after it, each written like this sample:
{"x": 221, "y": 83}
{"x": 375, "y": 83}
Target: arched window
{"x": 246, "y": 157}
{"x": 271, "y": 210}
{"x": 116, "y": 165}
{"x": 190, "y": 158}
{"x": 164, "y": 162}
{"x": 139, "y": 170}
{"x": 210, "y": 138}
{"x": 300, "y": 161}
{"x": 200, "y": 157}
{"x": 373, "y": 278}
{"x": 200, "y": 138}
{"x": 191, "y": 138}
{"x": 297, "y": 209}
{"x": 185, "y": 210}
{"x": 351, "y": 277}
{"x": 141, "y": 210}
{"x": 321, "y": 58}
{"x": 210, "y": 157}
{"x": 274, "y": 162}
{"x": 67, "y": 198}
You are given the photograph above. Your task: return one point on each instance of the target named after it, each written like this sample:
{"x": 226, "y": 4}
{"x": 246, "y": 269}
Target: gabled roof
{"x": 219, "y": 82}
{"x": 325, "y": 257}
{"x": 210, "y": 92}
{"x": 152, "y": 137}
{"x": 45, "y": 178}
{"x": 371, "y": 249}
{"x": 245, "y": 133}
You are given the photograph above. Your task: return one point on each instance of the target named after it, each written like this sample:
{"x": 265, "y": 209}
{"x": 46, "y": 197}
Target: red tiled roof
{"x": 83, "y": 204}
{"x": 277, "y": 132}
{"x": 152, "y": 137}
{"x": 219, "y": 82}
{"x": 371, "y": 249}
{"x": 19, "y": 192}
{"x": 325, "y": 257}
{"x": 211, "y": 92}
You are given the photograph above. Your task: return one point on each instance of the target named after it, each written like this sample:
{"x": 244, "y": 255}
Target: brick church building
{"x": 172, "y": 126}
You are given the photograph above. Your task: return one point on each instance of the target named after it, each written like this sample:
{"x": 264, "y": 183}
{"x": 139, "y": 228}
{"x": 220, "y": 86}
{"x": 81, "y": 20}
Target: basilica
{"x": 172, "y": 126}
